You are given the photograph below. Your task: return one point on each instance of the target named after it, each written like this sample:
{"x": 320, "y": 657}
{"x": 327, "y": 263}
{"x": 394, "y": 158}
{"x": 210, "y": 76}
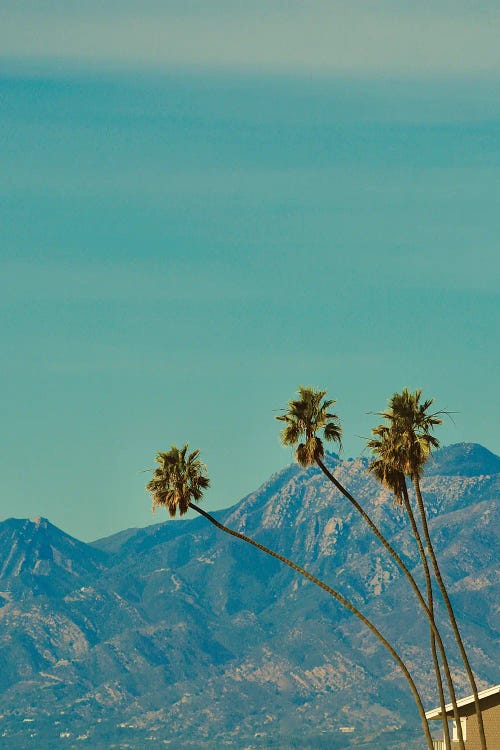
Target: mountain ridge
{"x": 438, "y": 458}
{"x": 464, "y": 459}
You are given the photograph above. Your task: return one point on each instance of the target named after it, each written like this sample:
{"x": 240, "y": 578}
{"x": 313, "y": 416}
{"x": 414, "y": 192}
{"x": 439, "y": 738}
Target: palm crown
{"x": 180, "y": 478}
{"x": 306, "y": 416}
{"x": 410, "y": 425}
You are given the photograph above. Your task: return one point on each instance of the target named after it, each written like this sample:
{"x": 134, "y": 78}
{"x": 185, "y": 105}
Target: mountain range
{"x": 177, "y": 635}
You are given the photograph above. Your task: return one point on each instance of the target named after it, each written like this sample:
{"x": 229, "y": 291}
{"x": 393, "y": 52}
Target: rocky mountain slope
{"x": 178, "y": 635}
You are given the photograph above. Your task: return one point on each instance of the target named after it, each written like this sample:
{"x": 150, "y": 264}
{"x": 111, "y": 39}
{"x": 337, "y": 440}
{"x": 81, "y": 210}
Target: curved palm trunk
{"x": 406, "y": 572}
{"x": 449, "y": 609}
{"x": 430, "y": 602}
{"x": 342, "y": 601}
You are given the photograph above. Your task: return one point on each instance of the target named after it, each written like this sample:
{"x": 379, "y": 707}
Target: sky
{"x": 205, "y": 205}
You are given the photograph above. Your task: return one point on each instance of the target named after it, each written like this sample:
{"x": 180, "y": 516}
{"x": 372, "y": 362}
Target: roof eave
{"x": 435, "y": 713}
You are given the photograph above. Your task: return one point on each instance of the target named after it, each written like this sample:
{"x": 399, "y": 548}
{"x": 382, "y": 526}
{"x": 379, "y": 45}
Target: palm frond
{"x": 290, "y": 434}
{"x": 389, "y": 477}
{"x": 333, "y": 431}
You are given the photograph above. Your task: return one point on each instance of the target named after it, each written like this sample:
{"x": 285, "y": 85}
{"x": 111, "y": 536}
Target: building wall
{"x": 490, "y": 708}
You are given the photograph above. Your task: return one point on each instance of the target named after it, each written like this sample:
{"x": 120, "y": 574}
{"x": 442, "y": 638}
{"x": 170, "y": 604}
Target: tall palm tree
{"x": 384, "y": 469}
{"x": 181, "y": 477}
{"x": 305, "y": 417}
{"x": 413, "y": 423}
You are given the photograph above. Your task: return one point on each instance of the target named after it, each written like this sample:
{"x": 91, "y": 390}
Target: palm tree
{"x": 305, "y": 417}
{"x": 413, "y": 424}
{"x": 181, "y": 477}
{"x": 384, "y": 469}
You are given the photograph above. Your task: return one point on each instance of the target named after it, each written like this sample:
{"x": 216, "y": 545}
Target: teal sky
{"x": 202, "y": 207}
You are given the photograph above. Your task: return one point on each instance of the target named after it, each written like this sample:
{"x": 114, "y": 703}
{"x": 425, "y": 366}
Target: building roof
{"x": 435, "y": 713}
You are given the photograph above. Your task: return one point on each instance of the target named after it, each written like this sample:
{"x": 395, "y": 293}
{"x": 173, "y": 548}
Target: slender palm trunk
{"x": 449, "y": 609}
{"x": 342, "y": 601}
{"x": 404, "y": 569}
{"x": 430, "y": 603}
